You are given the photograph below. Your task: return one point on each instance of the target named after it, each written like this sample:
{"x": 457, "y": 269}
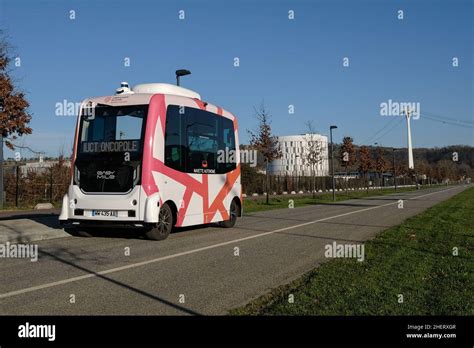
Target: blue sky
{"x": 282, "y": 61}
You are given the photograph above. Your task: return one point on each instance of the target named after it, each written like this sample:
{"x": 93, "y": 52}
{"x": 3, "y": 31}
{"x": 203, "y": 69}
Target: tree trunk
{"x": 347, "y": 181}
{"x": 367, "y": 181}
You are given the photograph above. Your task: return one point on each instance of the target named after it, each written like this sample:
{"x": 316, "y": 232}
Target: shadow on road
{"x": 106, "y": 232}
{"x": 26, "y": 228}
{"x": 61, "y": 251}
{"x": 49, "y": 220}
{"x": 127, "y": 232}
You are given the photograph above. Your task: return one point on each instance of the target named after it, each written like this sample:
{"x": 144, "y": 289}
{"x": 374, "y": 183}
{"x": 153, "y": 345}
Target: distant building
{"x": 41, "y": 165}
{"x": 294, "y": 150}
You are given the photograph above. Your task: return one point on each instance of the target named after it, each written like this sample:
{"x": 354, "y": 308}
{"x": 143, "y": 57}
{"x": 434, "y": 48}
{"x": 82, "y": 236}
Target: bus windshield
{"x": 110, "y": 148}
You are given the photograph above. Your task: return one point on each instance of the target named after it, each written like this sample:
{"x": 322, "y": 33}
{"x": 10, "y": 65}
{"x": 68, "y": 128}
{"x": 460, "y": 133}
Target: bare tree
{"x": 424, "y": 169}
{"x": 264, "y": 141}
{"x": 380, "y": 163}
{"x": 312, "y": 155}
{"x": 446, "y": 170}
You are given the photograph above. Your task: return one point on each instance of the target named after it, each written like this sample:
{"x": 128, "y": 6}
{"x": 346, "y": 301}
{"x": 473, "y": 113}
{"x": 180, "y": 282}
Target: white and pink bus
{"x": 153, "y": 157}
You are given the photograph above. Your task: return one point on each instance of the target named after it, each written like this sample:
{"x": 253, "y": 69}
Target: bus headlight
{"x": 77, "y": 174}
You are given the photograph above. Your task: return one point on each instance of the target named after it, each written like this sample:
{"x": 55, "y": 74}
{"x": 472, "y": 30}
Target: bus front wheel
{"x": 233, "y": 212}
{"x": 164, "y": 226}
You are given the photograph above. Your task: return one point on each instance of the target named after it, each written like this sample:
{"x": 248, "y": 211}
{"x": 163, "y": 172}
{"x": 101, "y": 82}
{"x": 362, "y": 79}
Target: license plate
{"x": 112, "y": 213}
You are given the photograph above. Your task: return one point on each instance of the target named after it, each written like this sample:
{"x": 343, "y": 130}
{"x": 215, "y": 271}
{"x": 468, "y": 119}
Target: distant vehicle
{"x": 154, "y": 157}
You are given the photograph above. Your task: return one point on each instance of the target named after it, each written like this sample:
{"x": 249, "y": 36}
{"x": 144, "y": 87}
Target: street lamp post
{"x": 332, "y": 164}
{"x": 376, "y": 172}
{"x": 296, "y": 170}
{"x": 181, "y": 72}
{"x": 394, "y": 170}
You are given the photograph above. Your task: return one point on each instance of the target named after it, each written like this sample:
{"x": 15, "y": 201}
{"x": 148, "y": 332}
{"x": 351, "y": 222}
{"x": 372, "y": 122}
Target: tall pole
{"x": 16, "y": 184}
{"x": 332, "y": 164}
{"x": 410, "y": 148}
{"x": 394, "y": 171}
{"x": 411, "y": 165}
{"x": 51, "y": 185}
{"x": 296, "y": 169}
{"x": 376, "y": 171}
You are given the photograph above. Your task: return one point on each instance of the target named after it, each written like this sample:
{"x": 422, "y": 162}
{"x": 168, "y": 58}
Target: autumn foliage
{"x": 14, "y": 116}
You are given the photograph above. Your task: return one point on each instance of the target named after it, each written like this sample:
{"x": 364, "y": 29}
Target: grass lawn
{"x": 414, "y": 259}
{"x": 252, "y": 205}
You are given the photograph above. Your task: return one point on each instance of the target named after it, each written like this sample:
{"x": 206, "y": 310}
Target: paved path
{"x": 275, "y": 247}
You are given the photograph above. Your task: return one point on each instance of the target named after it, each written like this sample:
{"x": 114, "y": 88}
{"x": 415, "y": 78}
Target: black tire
{"x": 164, "y": 226}
{"x": 233, "y": 212}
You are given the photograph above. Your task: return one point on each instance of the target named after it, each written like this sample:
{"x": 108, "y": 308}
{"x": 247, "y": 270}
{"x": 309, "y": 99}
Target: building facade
{"x": 295, "y": 151}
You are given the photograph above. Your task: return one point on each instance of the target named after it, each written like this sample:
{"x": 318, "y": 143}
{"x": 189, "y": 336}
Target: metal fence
{"x": 305, "y": 184}
{"x": 26, "y": 186}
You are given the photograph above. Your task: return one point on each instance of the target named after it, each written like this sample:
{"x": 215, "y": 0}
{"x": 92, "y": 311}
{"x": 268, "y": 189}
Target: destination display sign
{"x": 111, "y": 146}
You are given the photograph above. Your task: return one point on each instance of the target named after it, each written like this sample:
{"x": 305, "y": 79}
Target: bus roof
{"x": 165, "y": 88}
{"x": 142, "y": 93}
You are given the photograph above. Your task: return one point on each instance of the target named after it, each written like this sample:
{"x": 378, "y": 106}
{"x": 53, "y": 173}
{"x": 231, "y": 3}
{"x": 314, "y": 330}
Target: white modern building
{"x": 295, "y": 154}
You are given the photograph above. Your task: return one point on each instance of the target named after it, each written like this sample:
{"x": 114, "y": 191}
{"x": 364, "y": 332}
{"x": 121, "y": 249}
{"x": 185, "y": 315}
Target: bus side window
{"x": 174, "y": 150}
{"x": 194, "y": 139}
{"x": 228, "y": 145}
{"x": 202, "y": 143}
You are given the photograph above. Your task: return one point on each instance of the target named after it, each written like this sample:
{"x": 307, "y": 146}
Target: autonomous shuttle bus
{"x": 155, "y": 157}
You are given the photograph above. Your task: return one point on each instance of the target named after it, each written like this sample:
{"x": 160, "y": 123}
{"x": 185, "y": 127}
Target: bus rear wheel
{"x": 233, "y": 212}
{"x": 164, "y": 226}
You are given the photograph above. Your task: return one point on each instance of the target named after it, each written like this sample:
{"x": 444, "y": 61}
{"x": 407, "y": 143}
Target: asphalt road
{"x": 196, "y": 265}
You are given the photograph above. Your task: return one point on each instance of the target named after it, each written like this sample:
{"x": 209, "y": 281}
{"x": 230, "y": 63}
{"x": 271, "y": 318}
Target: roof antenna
{"x": 181, "y": 72}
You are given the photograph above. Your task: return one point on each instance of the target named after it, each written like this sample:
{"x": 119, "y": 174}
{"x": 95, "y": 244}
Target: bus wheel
{"x": 232, "y": 216}
{"x": 164, "y": 226}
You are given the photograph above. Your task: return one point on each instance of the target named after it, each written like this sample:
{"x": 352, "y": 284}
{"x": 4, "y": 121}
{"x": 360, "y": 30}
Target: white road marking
{"x": 193, "y": 251}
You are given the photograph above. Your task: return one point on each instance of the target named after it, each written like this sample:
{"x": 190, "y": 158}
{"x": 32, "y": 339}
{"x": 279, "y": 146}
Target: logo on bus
{"x": 106, "y": 174}
{"x": 204, "y": 171}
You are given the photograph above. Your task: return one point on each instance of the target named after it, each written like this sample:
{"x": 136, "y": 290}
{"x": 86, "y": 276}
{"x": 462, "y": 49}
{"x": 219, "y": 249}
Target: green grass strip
{"x": 414, "y": 259}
